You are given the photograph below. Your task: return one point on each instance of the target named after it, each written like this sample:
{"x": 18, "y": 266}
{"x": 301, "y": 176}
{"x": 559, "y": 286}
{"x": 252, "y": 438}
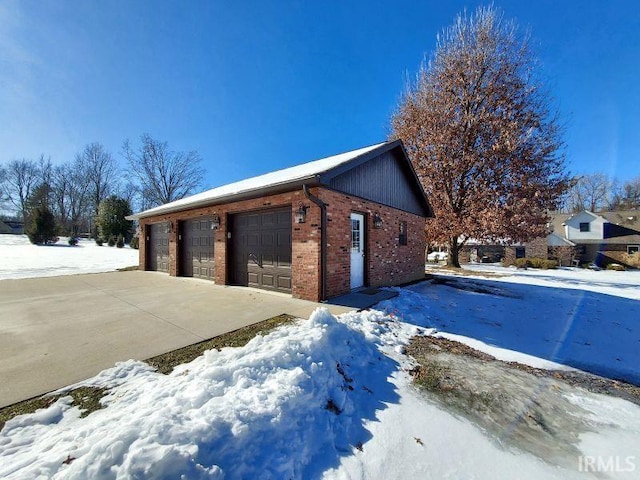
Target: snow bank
{"x": 21, "y": 259}
{"x": 322, "y": 398}
{"x": 287, "y": 405}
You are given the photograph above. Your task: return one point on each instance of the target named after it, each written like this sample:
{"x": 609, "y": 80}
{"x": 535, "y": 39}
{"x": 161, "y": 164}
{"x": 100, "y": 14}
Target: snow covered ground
{"x": 21, "y": 259}
{"x": 331, "y": 398}
{"x": 619, "y": 284}
{"x": 581, "y": 318}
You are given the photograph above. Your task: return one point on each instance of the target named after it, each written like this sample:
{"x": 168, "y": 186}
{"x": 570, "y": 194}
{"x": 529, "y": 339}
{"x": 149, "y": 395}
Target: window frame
{"x": 585, "y": 227}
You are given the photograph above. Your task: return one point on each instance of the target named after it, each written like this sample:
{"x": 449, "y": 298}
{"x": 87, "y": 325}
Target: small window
{"x": 631, "y": 249}
{"x": 585, "y": 227}
{"x": 355, "y": 235}
{"x": 402, "y": 237}
{"x": 520, "y": 252}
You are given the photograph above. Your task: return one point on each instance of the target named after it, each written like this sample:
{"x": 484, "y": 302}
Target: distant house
{"x": 603, "y": 237}
{"x": 315, "y": 230}
{"x": 14, "y": 227}
{"x": 584, "y": 237}
{"x": 600, "y": 238}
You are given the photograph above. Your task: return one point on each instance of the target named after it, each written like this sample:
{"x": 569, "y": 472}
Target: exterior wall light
{"x": 377, "y": 221}
{"x": 215, "y": 222}
{"x": 301, "y": 213}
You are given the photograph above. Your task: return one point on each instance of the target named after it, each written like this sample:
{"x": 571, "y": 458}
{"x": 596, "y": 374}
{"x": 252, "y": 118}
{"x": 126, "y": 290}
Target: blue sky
{"x": 256, "y": 86}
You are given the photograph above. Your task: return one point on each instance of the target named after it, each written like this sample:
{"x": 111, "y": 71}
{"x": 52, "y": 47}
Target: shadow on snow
{"x": 315, "y": 429}
{"x": 591, "y": 331}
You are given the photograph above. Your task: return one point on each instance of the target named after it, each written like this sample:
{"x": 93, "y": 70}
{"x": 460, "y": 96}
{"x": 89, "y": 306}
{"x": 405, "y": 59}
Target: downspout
{"x": 323, "y": 239}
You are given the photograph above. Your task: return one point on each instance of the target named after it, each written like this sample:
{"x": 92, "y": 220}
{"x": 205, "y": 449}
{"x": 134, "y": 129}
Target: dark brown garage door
{"x": 196, "y": 248}
{"x": 158, "y": 252}
{"x": 260, "y": 249}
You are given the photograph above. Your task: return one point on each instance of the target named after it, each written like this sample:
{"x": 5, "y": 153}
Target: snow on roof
{"x": 279, "y": 177}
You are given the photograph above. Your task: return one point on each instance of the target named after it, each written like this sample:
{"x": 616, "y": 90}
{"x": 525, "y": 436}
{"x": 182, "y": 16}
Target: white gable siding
{"x": 596, "y": 228}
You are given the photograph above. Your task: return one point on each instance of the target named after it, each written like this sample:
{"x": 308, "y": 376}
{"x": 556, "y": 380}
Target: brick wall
{"x": 509, "y": 256}
{"x": 305, "y": 240}
{"x": 537, "y": 248}
{"x": 386, "y": 262}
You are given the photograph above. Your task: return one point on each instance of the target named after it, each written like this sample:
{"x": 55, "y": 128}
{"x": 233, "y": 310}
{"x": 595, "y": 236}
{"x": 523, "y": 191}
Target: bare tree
{"x": 563, "y": 254}
{"x": 479, "y": 130}
{"x": 163, "y": 175}
{"x": 101, "y": 172}
{"x": 45, "y": 169}
{"x": 129, "y": 191}
{"x": 626, "y": 196}
{"x": 590, "y": 192}
{"x": 21, "y": 178}
{"x": 70, "y": 187}
{"x": 3, "y": 180}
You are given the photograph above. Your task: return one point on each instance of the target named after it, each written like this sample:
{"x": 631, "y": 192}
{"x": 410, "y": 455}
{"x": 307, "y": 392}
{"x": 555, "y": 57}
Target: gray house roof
{"x": 324, "y": 172}
{"x": 4, "y": 228}
{"x": 620, "y": 227}
{"x": 558, "y": 240}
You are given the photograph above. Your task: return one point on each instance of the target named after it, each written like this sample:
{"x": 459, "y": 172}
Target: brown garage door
{"x": 260, "y": 249}
{"x": 158, "y": 250}
{"x": 196, "y": 248}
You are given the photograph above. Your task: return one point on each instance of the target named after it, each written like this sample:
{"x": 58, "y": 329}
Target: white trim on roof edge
{"x": 304, "y": 172}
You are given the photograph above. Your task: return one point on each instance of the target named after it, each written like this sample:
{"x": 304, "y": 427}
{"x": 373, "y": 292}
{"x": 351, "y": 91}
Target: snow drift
{"x": 287, "y": 405}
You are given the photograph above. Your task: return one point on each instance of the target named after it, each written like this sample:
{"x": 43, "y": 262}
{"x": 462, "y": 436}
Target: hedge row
{"x": 542, "y": 263}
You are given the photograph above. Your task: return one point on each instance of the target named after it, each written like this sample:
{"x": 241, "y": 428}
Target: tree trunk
{"x": 453, "y": 259}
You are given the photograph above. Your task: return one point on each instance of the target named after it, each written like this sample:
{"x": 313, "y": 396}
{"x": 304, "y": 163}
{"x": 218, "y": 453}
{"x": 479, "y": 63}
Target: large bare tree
{"x": 101, "y": 172}
{"x": 21, "y": 178}
{"x": 3, "y": 194}
{"x": 626, "y": 196}
{"x": 164, "y": 175}
{"x": 590, "y": 192}
{"x": 481, "y": 134}
{"x": 70, "y": 196}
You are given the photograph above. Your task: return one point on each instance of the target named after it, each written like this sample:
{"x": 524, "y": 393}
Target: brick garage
{"x": 363, "y": 226}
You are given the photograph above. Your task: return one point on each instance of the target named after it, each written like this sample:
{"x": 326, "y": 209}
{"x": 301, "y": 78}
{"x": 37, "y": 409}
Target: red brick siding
{"x": 464, "y": 254}
{"x": 386, "y": 262}
{"x": 509, "y": 256}
{"x": 537, "y": 248}
{"x": 305, "y": 239}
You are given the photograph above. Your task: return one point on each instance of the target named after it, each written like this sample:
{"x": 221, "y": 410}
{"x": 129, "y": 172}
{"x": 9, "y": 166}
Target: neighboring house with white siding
{"x": 602, "y": 237}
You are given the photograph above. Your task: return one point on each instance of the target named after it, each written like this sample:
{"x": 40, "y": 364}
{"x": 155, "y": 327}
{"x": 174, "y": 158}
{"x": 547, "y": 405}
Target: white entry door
{"x": 357, "y": 250}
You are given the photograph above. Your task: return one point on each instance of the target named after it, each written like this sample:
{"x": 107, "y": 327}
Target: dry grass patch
{"x": 446, "y": 270}
{"x": 166, "y": 362}
{"x": 88, "y": 398}
{"x": 132, "y": 268}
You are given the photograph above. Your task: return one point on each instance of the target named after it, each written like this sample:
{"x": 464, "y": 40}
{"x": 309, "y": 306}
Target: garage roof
{"x": 312, "y": 173}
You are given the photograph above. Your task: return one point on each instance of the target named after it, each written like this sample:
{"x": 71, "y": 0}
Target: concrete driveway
{"x": 60, "y": 330}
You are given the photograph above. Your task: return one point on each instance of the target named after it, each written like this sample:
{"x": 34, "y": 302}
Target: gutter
{"x": 323, "y": 239}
